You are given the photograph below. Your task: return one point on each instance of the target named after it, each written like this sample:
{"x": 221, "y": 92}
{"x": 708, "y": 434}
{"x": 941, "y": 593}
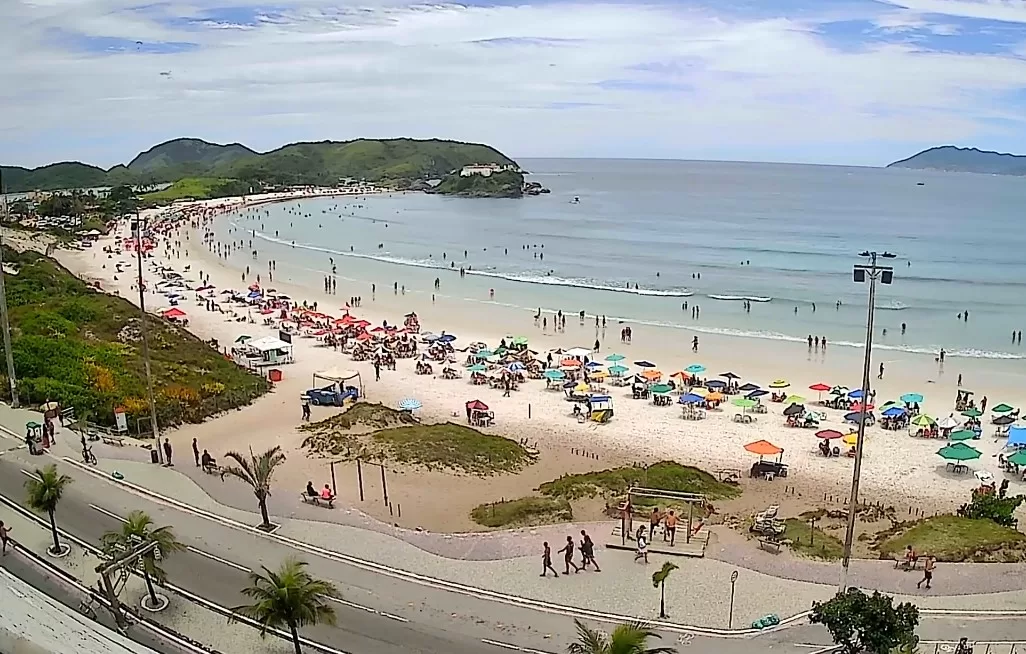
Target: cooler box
{"x": 274, "y": 375}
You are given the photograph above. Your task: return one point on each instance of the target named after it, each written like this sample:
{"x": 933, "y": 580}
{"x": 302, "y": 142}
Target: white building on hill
{"x": 485, "y": 170}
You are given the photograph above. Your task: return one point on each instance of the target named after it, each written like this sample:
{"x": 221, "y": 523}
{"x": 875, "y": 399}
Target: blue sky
{"x": 828, "y": 81}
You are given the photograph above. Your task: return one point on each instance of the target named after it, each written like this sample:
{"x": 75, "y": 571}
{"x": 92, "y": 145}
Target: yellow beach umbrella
{"x": 582, "y": 388}
{"x": 851, "y": 439}
{"x": 700, "y": 392}
{"x": 598, "y": 374}
{"x": 779, "y": 383}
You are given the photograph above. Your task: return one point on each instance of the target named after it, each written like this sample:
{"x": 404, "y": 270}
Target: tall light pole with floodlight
{"x": 884, "y": 274}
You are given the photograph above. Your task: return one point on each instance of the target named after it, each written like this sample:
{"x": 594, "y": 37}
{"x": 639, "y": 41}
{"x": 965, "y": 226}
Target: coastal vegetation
{"x": 504, "y": 184}
{"x": 811, "y": 541}
{"x": 445, "y": 446}
{"x": 868, "y": 623}
{"x": 256, "y": 470}
{"x": 969, "y": 160}
{"x": 665, "y": 475}
{"x": 196, "y": 188}
{"x": 954, "y": 538}
{"x": 82, "y": 348}
{"x": 138, "y": 528}
{"x": 393, "y": 162}
{"x": 632, "y": 637}
{"x": 45, "y": 488}
{"x": 523, "y": 512}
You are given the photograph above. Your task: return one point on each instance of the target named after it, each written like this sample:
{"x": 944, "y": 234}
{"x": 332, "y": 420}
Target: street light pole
{"x": 3, "y": 309}
{"x": 137, "y": 229}
{"x": 885, "y": 274}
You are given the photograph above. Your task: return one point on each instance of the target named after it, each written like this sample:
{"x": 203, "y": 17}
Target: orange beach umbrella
{"x": 763, "y": 448}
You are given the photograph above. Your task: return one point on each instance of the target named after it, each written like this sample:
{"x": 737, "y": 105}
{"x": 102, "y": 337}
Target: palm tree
{"x": 631, "y": 638}
{"x": 45, "y": 488}
{"x": 659, "y": 581}
{"x": 288, "y": 597}
{"x": 136, "y": 530}
{"x": 257, "y": 472}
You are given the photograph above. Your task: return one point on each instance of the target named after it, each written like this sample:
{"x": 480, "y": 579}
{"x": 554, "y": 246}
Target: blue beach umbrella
{"x": 446, "y": 338}
{"x": 644, "y": 364}
{"x": 757, "y": 393}
{"x": 409, "y": 404}
{"x": 715, "y": 383}
{"x": 695, "y": 369}
{"x": 893, "y": 412}
{"x": 749, "y": 387}
{"x": 691, "y": 398}
{"x": 593, "y": 365}
{"x": 855, "y": 394}
{"x": 516, "y": 366}
{"x": 911, "y": 398}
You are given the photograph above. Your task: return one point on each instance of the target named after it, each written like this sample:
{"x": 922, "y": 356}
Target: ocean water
{"x": 706, "y": 233}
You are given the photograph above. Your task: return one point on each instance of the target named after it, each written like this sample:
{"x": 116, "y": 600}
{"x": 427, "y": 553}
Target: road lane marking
{"x": 243, "y": 568}
{"x": 516, "y": 648}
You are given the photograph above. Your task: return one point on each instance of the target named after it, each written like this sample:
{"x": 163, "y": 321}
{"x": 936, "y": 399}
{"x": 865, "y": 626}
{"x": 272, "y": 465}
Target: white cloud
{"x": 313, "y": 71}
{"x": 1012, "y": 11}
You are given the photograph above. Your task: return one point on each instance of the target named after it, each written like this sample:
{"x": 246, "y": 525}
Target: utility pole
{"x": 137, "y": 229}
{"x": 3, "y": 307}
{"x": 885, "y": 274}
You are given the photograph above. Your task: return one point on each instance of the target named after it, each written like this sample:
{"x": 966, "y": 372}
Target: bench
{"x": 902, "y": 563}
{"x": 770, "y": 545}
{"x": 214, "y": 469}
{"x": 318, "y": 500}
{"x": 111, "y": 439}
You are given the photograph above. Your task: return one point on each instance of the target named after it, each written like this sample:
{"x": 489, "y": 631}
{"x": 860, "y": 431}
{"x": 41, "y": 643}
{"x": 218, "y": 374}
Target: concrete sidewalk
{"x": 697, "y": 594}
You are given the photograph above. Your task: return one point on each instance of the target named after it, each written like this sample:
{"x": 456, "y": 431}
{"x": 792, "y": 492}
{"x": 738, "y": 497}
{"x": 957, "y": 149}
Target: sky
{"x": 860, "y": 82}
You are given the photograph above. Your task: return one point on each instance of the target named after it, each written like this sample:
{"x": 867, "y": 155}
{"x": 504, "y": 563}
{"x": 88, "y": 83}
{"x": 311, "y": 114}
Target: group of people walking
{"x": 587, "y": 548}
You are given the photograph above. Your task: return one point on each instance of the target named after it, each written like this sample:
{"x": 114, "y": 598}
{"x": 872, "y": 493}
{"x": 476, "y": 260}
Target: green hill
{"x": 399, "y": 162}
{"x": 507, "y": 184}
{"x": 967, "y": 160}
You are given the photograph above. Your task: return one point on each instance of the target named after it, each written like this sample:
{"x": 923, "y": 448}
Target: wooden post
{"x": 359, "y": 477}
{"x": 691, "y": 513}
{"x": 384, "y": 486}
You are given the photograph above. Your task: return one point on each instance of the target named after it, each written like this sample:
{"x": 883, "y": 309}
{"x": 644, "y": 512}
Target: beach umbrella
{"x": 779, "y": 383}
{"x": 592, "y": 365}
{"x": 660, "y": 389}
{"x": 695, "y": 368}
{"x": 893, "y": 412}
{"x": 744, "y": 403}
{"x": 520, "y": 340}
{"x": 1001, "y": 421}
{"x": 715, "y": 383}
{"x": 476, "y": 405}
{"x": 569, "y": 383}
{"x": 483, "y": 354}
{"x": 947, "y": 422}
{"x": 570, "y": 363}
{"x": 911, "y": 398}
{"x": 243, "y": 338}
{"x": 763, "y": 448}
{"x": 598, "y": 374}
{"x": 794, "y": 399}
{"x": 820, "y": 387}
{"x": 923, "y": 420}
{"x": 1019, "y": 458}
{"x": 700, "y": 392}
{"x": 691, "y": 398}
{"x": 857, "y": 407}
{"x": 644, "y": 364}
{"x": 651, "y": 375}
{"x": 478, "y": 367}
{"x": 446, "y": 338}
{"x": 730, "y": 375}
{"x": 757, "y": 393}
{"x": 409, "y": 404}
{"x": 855, "y": 417}
{"x": 959, "y": 452}
{"x": 829, "y": 434}
{"x": 582, "y": 388}
{"x": 972, "y": 413}
{"x": 855, "y": 394}
{"x": 715, "y": 396}
{"x": 1001, "y": 408}
{"x": 851, "y": 439}
{"x": 516, "y": 366}
{"x": 794, "y": 410}
{"x": 554, "y": 375}
{"x": 749, "y": 387}
{"x": 618, "y": 370}
{"x": 962, "y": 435}
{"x": 839, "y": 390}
{"x": 615, "y": 357}
{"x": 174, "y": 312}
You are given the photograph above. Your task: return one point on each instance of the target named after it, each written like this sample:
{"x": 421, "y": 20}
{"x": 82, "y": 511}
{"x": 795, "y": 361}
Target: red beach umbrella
{"x": 829, "y": 434}
{"x": 477, "y": 405}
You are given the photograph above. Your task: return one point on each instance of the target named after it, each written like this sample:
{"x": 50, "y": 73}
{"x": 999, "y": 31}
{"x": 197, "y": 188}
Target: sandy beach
{"x": 898, "y": 470}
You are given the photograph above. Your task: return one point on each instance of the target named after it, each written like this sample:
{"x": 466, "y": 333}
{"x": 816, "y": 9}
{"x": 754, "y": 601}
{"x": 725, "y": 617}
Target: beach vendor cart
{"x": 597, "y": 408}
{"x": 478, "y": 414}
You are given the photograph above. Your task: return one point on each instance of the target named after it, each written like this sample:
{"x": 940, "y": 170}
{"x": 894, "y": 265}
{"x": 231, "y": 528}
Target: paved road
{"x": 385, "y": 614}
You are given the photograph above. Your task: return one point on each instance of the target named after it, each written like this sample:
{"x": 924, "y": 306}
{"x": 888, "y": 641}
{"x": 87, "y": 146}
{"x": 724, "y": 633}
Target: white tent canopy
{"x": 577, "y": 352}
{"x": 267, "y": 344}
{"x": 339, "y": 377}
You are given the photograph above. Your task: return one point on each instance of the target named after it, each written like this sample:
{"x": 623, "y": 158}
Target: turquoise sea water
{"x": 960, "y": 241}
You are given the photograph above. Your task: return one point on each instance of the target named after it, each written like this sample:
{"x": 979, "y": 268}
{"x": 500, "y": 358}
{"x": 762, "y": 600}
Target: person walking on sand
{"x": 5, "y": 532}
{"x": 588, "y": 552}
{"x": 927, "y": 573}
{"x": 880, "y": 375}
{"x": 568, "y": 556}
{"x": 547, "y": 560}
{"x": 167, "y": 453}
{"x": 377, "y": 370}
{"x": 306, "y": 408}
{"x": 195, "y": 451}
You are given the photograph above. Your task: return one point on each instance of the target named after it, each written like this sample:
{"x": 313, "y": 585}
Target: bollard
{"x": 399, "y": 508}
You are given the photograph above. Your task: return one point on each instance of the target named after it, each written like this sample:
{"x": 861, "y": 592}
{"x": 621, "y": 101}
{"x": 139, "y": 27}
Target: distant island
{"x": 965, "y": 160}
{"x": 213, "y": 169}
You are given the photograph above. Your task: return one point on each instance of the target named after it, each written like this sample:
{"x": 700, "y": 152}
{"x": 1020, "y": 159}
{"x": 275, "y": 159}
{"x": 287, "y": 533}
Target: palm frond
{"x": 256, "y": 470}
{"x": 45, "y": 488}
{"x": 632, "y": 638}
{"x": 287, "y": 597}
{"x": 589, "y": 641}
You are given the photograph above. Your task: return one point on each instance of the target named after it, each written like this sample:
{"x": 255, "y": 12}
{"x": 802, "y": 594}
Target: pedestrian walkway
{"x": 510, "y": 562}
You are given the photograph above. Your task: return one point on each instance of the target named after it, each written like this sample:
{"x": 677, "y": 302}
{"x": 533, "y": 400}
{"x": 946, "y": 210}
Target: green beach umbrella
{"x": 911, "y": 398}
{"x": 695, "y": 368}
{"x": 794, "y": 399}
{"x": 972, "y": 413}
{"x": 617, "y": 370}
{"x": 1003, "y": 408}
{"x": 615, "y": 357}
{"x": 923, "y": 420}
{"x": 478, "y": 367}
{"x": 962, "y": 435}
{"x": 243, "y": 338}
{"x": 1019, "y": 458}
{"x": 743, "y": 402}
{"x": 660, "y": 389}
{"x": 554, "y": 374}
{"x": 520, "y": 340}
{"x": 959, "y": 452}
{"x": 484, "y": 354}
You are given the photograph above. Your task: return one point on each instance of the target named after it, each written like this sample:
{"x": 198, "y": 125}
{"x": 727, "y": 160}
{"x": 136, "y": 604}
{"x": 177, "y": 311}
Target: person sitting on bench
{"x": 208, "y": 462}
{"x": 910, "y": 557}
{"x": 326, "y": 493}
{"x": 310, "y": 490}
